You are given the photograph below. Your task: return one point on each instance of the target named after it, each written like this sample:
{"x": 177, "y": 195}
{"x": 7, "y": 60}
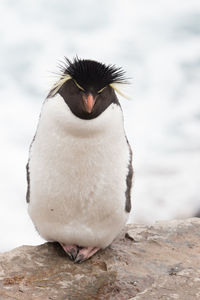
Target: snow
{"x": 158, "y": 43}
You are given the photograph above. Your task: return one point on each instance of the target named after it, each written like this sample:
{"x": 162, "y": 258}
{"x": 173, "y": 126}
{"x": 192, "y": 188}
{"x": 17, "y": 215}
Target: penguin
{"x": 79, "y": 171}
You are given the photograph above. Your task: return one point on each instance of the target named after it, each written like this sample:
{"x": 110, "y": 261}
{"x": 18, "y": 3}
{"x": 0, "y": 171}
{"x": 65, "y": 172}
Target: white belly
{"x": 78, "y": 172}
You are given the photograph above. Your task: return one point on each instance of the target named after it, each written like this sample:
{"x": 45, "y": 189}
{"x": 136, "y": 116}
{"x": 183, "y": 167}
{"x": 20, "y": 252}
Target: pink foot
{"x": 85, "y": 253}
{"x": 71, "y": 250}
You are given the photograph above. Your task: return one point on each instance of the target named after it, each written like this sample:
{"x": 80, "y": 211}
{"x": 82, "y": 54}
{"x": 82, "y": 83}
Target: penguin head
{"x": 87, "y": 86}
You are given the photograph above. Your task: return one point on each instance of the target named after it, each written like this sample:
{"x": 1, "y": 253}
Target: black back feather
{"x": 92, "y": 74}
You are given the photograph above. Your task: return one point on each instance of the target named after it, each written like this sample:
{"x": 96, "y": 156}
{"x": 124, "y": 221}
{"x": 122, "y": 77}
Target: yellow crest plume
{"x": 114, "y": 86}
{"x": 58, "y": 84}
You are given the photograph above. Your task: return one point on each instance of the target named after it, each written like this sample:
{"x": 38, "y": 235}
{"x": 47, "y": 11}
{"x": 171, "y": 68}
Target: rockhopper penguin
{"x": 79, "y": 171}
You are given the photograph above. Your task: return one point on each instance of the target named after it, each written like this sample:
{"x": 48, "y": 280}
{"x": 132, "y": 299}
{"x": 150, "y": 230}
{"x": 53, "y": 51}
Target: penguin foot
{"x": 71, "y": 250}
{"x": 85, "y": 253}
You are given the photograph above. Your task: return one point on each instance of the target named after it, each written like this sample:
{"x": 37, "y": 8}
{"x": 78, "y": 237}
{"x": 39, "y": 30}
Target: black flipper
{"x": 28, "y": 183}
{"x": 129, "y": 182}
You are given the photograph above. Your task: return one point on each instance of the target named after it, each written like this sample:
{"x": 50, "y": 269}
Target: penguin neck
{"x": 57, "y": 115}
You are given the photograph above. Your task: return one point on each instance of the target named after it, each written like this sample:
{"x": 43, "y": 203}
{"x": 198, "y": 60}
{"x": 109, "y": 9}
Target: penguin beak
{"x": 89, "y": 102}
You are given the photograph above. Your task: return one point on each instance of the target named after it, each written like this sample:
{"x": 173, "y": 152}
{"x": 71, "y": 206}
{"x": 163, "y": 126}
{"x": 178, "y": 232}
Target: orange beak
{"x": 89, "y": 102}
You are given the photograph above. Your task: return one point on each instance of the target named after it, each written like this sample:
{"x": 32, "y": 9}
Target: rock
{"x": 145, "y": 262}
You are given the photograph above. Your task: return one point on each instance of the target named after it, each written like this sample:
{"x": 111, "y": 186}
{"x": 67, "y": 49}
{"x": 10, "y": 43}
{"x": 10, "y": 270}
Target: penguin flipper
{"x": 28, "y": 183}
{"x": 129, "y": 181}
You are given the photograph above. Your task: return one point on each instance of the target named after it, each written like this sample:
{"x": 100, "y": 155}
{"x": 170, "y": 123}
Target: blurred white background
{"x": 157, "y": 42}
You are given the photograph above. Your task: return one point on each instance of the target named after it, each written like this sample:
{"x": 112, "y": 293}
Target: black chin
{"x": 73, "y": 98}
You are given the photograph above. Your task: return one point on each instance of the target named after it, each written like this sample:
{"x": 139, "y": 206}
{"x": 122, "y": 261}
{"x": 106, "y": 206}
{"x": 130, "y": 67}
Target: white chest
{"x": 78, "y": 172}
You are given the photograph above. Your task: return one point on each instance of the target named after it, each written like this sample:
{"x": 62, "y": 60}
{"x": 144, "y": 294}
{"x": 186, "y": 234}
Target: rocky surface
{"x": 145, "y": 262}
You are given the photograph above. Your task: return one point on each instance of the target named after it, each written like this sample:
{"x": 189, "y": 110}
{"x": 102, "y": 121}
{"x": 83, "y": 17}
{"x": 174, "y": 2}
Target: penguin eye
{"x": 99, "y": 92}
{"x": 78, "y": 86}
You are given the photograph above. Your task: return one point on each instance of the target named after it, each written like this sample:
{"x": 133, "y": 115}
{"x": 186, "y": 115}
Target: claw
{"x": 71, "y": 250}
{"x": 79, "y": 259}
{"x": 85, "y": 253}
{"x": 74, "y": 253}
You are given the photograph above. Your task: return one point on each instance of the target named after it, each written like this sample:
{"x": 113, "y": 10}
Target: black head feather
{"x": 92, "y": 74}
{"x": 83, "y": 77}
